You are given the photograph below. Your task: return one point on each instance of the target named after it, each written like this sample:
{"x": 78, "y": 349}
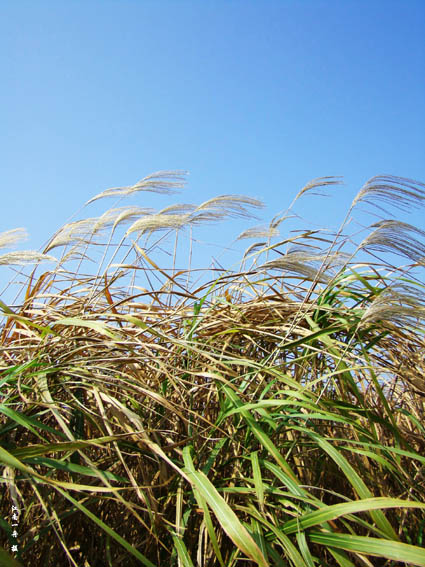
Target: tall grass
{"x": 269, "y": 415}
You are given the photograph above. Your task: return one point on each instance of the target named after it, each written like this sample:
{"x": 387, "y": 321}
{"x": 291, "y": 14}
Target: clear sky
{"x": 252, "y": 97}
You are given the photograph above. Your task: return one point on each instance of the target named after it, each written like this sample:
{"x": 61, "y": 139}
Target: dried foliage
{"x": 269, "y": 416}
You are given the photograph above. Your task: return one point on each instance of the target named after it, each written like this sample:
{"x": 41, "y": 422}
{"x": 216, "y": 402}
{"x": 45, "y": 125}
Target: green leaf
{"x": 209, "y": 525}
{"x": 144, "y": 560}
{"x": 394, "y": 550}
{"x": 73, "y": 468}
{"x": 224, "y": 513}
{"x": 97, "y": 326}
{"x": 337, "y": 510}
{"x": 355, "y": 480}
{"x": 24, "y": 420}
{"x": 182, "y": 552}
{"x": 260, "y": 434}
{"x": 258, "y": 481}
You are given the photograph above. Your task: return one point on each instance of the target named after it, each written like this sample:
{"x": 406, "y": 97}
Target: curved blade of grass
{"x": 27, "y": 321}
{"x": 260, "y": 434}
{"x": 43, "y": 386}
{"x": 374, "y": 456}
{"x": 224, "y": 514}
{"x": 74, "y": 468}
{"x": 213, "y": 455}
{"x": 290, "y": 549}
{"x": 258, "y": 534}
{"x": 13, "y": 462}
{"x": 394, "y": 550}
{"x": 19, "y": 369}
{"x": 144, "y": 560}
{"x": 355, "y": 480}
{"x": 6, "y": 308}
{"x": 288, "y": 481}
{"x": 418, "y": 424}
{"x": 258, "y": 481}
{"x": 317, "y": 414}
{"x": 35, "y": 450}
{"x": 341, "y": 558}
{"x": 209, "y": 525}
{"x": 303, "y": 546}
{"x": 182, "y": 552}
{"x": 384, "y": 449}
{"x": 335, "y": 511}
{"x": 100, "y": 328}
{"x": 26, "y": 421}
{"x": 339, "y": 362}
{"x": 269, "y": 403}
{"x": 20, "y": 419}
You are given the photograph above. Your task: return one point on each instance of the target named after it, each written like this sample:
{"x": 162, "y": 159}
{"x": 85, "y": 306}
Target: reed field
{"x": 267, "y": 415}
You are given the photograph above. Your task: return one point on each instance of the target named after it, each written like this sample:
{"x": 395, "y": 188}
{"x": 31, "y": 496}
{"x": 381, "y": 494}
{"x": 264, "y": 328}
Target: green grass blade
{"x": 74, "y": 468}
{"x": 182, "y": 552}
{"x": 13, "y": 462}
{"x": 260, "y": 434}
{"x": 97, "y": 326}
{"x": 209, "y": 525}
{"x": 337, "y": 510}
{"x": 258, "y": 481}
{"x": 144, "y": 560}
{"x": 394, "y": 550}
{"x": 224, "y": 513}
{"x": 305, "y": 552}
{"x": 291, "y": 551}
{"x": 257, "y": 532}
{"x": 355, "y": 480}
{"x": 29, "y": 422}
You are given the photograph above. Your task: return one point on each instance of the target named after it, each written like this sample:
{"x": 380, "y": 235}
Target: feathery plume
{"x": 12, "y": 237}
{"x": 396, "y": 237}
{"x": 231, "y": 205}
{"x": 114, "y": 217}
{"x": 400, "y": 304}
{"x": 299, "y": 262}
{"x": 318, "y": 183}
{"x": 400, "y": 192}
{"x": 158, "y": 222}
{"x": 259, "y": 232}
{"x": 163, "y": 182}
{"x": 178, "y": 208}
{"x": 254, "y": 248}
{"x": 77, "y": 232}
{"x": 25, "y": 257}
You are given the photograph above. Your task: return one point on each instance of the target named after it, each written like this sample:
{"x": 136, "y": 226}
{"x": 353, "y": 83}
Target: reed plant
{"x": 270, "y": 414}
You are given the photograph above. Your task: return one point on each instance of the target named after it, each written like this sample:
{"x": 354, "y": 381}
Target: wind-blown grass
{"x": 271, "y": 415}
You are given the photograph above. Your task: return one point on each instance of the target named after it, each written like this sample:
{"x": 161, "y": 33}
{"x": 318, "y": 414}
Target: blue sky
{"x": 252, "y": 97}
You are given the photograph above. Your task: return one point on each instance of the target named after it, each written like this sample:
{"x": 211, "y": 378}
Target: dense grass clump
{"x": 270, "y": 415}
